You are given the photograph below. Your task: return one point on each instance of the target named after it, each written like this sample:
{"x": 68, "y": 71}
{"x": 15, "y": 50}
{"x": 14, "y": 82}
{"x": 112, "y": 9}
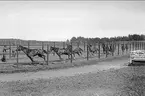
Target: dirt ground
{"x": 107, "y": 78}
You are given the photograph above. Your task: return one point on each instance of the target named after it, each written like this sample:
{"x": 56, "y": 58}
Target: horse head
{"x": 19, "y": 48}
{"x": 52, "y": 49}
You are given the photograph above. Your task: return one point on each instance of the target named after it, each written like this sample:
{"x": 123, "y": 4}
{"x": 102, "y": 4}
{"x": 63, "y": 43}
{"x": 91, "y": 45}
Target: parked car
{"x": 137, "y": 57}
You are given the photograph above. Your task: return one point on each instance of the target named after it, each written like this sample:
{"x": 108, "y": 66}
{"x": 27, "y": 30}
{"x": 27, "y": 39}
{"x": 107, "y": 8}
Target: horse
{"x": 3, "y": 59}
{"x": 5, "y": 48}
{"x": 13, "y": 53}
{"x": 126, "y": 47}
{"x": 92, "y": 49}
{"x": 112, "y": 48}
{"x": 105, "y": 48}
{"x": 32, "y": 52}
{"x": 123, "y": 47}
{"x": 108, "y": 48}
{"x": 61, "y": 51}
{"x": 77, "y": 51}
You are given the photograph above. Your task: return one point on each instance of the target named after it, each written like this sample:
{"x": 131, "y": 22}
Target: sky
{"x": 62, "y": 20}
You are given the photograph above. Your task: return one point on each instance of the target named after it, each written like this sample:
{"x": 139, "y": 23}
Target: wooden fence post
{"x": 130, "y": 46}
{"x": 54, "y": 46}
{"x": 118, "y": 48}
{"x": 47, "y": 54}
{"x": 141, "y": 45}
{"x": 106, "y": 50}
{"x": 112, "y": 44}
{"x": 138, "y": 45}
{"x": 28, "y": 44}
{"x": 135, "y": 45}
{"x": 84, "y": 46}
{"x": 78, "y": 44}
{"x": 63, "y": 44}
{"x": 10, "y": 50}
{"x": 126, "y": 45}
{"x": 71, "y": 53}
{"x": 42, "y": 45}
{"x": 87, "y": 52}
{"x": 123, "y": 48}
{"x": 99, "y": 50}
{"x": 17, "y": 56}
{"x": 144, "y": 45}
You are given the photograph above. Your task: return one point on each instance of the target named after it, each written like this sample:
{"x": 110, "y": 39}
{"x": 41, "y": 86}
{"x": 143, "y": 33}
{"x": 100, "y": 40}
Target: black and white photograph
{"x": 72, "y": 48}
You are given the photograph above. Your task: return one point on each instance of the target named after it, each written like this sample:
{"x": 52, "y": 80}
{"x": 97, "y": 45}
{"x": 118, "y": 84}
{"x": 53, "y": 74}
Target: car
{"x": 137, "y": 57}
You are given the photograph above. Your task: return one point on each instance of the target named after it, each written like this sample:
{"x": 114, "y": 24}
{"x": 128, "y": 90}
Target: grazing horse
{"x": 32, "y": 52}
{"x": 61, "y": 51}
{"x": 92, "y": 49}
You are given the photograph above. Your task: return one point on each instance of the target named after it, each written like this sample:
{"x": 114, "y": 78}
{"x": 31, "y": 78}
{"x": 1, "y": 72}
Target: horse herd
{"x": 69, "y": 51}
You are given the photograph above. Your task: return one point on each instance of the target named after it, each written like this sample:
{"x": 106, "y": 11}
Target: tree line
{"x": 130, "y": 37}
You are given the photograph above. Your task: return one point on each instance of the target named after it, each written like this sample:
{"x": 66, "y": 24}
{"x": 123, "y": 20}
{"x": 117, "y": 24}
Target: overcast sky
{"x": 61, "y": 20}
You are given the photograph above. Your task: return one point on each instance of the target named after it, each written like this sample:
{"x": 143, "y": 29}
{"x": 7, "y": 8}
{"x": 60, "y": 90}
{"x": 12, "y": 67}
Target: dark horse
{"x": 105, "y": 48}
{"x": 92, "y": 49}
{"x": 123, "y": 48}
{"x": 77, "y": 51}
{"x": 32, "y": 52}
{"x": 108, "y": 48}
{"x": 6, "y": 48}
{"x": 61, "y": 51}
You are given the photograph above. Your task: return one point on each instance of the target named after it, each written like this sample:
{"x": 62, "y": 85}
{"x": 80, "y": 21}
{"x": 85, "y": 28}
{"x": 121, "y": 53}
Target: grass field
{"x": 127, "y": 81}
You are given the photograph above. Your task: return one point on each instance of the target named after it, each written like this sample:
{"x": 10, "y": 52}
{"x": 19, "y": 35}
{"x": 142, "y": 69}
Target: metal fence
{"x": 121, "y": 48}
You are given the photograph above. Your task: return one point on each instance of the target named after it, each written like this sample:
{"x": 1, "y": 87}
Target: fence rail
{"x": 121, "y": 48}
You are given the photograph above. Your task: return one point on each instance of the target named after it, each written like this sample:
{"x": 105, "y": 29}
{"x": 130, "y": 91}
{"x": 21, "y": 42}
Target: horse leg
{"x": 42, "y": 56}
{"x": 92, "y": 53}
{"x": 60, "y": 57}
{"x": 30, "y": 58}
{"x": 78, "y": 53}
{"x": 68, "y": 57}
{"x": 74, "y": 55}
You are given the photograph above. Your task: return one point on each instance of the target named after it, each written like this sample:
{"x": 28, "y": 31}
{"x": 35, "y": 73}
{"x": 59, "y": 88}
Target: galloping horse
{"x": 77, "y": 51}
{"x": 109, "y": 48}
{"x": 92, "y": 49}
{"x": 105, "y": 48}
{"x": 112, "y": 48}
{"x": 32, "y": 52}
{"x": 126, "y": 47}
{"x": 123, "y": 48}
{"x": 5, "y": 48}
{"x": 61, "y": 51}
{"x": 67, "y": 51}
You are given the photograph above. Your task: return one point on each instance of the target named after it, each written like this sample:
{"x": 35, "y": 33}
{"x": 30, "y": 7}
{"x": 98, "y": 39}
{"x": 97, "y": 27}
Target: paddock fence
{"x": 121, "y": 48}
